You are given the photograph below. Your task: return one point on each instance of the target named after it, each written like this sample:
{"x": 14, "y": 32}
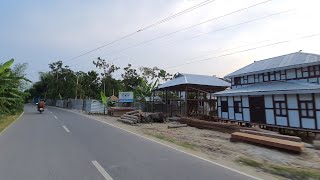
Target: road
{"x": 63, "y": 145}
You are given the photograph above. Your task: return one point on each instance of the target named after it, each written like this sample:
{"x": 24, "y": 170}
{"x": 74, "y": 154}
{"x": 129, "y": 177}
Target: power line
{"x": 189, "y": 27}
{"x": 231, "y": 26}
{"x": 220, "y": 29}
{"x": 224, "y": 28}
{"x": 228, "y": 49}
{"x": 147, "y": 27}
{"x": 178, "y": 14}
{"x": 250, "y": 49}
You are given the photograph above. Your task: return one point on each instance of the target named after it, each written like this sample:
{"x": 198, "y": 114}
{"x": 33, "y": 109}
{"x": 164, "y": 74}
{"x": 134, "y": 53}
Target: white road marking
{"x": 102, "y": 171}
{"x": 50, "y": 112}
{"x": 65, "y": 128}
{"x": 204, "y": 159}
{"x": 56, "y": 117}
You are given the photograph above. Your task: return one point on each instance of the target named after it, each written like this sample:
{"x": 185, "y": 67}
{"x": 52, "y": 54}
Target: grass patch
{"x": 169, "y": 139}
{"x": 5, "y": 121}
{"x": 284, "y": 171}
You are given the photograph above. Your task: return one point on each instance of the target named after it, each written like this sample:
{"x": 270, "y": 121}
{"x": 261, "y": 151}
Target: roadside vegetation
{"x": 61, "y": 82}
{"x": 12, "y": 95}
{"x": 5, "y": 121}
{"x": 284, "y": 171}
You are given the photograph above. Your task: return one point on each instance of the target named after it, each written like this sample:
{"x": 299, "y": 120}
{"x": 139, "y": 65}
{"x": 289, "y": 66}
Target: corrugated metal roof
{"x": 195, "y": 79}
{"x": 297, "y": 59}
{"x": 273, "y": 87}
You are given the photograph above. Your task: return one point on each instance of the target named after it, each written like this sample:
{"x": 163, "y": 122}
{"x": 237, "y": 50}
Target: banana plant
{"x": 104, "y": 98}
{"x": 146, "y": 89}
{"x": 11, "y": 97}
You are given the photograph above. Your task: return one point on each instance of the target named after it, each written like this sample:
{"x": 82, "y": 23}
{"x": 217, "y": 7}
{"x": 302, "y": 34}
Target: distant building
{"x": 283, "y": 91}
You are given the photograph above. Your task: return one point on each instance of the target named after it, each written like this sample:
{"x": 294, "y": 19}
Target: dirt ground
{"x": 217, "y": 147}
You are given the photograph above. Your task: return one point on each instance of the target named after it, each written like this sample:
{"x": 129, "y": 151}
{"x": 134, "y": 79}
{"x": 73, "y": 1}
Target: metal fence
{"x": 87, "y": 105}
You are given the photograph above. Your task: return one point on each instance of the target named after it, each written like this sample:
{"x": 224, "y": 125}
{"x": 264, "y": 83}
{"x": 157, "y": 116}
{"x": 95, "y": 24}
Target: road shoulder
{"x": 8, "y": 121}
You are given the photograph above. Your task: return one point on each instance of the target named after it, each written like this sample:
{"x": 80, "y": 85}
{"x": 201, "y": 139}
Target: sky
{"x": 41, "y": 32}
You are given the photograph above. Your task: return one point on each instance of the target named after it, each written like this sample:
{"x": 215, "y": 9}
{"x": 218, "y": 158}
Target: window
{"x": 280, "y": 108}
{"x": 237, "y": 80}
{"x": 314, "y": 71}
{"x": 305, "y": 72}
{"x": 245, "y": 79}
{"x": 299, "y": 73}
{"x": 256, "y": 78}
{"x": 306, "y": 109}
{"x": 237, "y": 106}
{"x": 317, "y": 70}
{"x": 283, "y": 75}
{"x": 272, "y": 76}
{"x": 311, "y": 71}
{"x": 224, "y": 106}
{"x": 278, "y": 75}
{"x": 265, "y": 77}
{"x": 260, "y": 77}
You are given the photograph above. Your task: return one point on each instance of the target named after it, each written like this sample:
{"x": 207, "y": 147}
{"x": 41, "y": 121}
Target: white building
{"x": 282, "y": 91}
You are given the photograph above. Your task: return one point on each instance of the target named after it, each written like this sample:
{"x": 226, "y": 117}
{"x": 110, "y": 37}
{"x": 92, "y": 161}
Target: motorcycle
{"x": 40, "y": 109}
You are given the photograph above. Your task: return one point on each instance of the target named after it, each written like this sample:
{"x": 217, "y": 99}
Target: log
{"x": 273, "y": 135}
{"x": 268, "y": 141}
{"x": 133, "y": 112}
{"x": 130, "y": 119}
{"x": 176, "y": 125}
{"x": 130, "y": 116}
{"x": 126, "y": 121}
{"x": 174, "y": 119}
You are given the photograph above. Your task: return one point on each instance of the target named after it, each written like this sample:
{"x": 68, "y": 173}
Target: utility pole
{"x": 77, "y": 87}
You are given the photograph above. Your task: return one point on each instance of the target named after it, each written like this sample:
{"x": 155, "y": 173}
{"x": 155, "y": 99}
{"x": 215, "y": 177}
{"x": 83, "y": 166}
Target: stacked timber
{"x": 131, "y": 117}
{"x": 271, "y": 140}
{"x": 201, "y": 124}
{"x": 119, "y": 111}
{"x": 272, "y": 135}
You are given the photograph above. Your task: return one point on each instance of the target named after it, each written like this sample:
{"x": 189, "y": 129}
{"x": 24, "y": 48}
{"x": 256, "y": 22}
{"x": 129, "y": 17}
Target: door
{"x": 257, "y": 109}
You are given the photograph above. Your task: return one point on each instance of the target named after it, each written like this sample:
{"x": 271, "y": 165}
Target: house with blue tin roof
{"x": 282, "y": 91}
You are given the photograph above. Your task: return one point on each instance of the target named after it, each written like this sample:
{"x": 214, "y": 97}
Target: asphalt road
{"x": 62, "y": 145}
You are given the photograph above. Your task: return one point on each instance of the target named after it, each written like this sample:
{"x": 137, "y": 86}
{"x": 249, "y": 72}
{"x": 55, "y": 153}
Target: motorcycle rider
{"x": 41, "y": 104}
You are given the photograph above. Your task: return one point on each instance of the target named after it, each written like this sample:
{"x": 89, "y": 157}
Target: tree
{"x": 11, "y": 81}
{"x": 151, "y": 79}
{"x": 155, "y": 73}
{"x": 109, "y": 83}
{"x": 88, "y": 84}
{"x": 44, "y": 87}
{"x": 131, "y": 78}
{"x": 64, "y": 81}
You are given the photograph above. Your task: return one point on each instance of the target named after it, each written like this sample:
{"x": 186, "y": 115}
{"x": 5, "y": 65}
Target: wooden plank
{"x": 273, "y": 135}
{"x": 176, "y": 125}
{"x": 268, "y": 141}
